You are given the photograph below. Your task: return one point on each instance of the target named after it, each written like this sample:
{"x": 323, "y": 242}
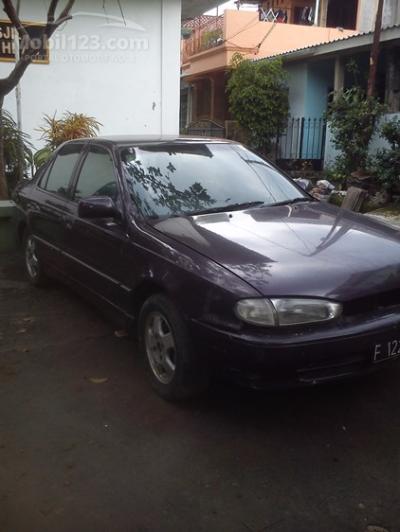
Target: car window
{"x": 42, "y": 174}
{"x": 165, "y": 180}
{"x": 63, "y": 167}
{"x": 97, "y": 176}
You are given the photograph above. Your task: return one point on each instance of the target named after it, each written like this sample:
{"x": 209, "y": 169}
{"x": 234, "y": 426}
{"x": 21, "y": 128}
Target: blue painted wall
{"x": 297, "y": 83}
{"x": 309, "y": 86}
{"x": 320, "y": 80}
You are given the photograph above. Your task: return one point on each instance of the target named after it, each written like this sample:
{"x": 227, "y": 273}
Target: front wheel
{"x": 175, "y": 371}
{"x": 34, "y": 268}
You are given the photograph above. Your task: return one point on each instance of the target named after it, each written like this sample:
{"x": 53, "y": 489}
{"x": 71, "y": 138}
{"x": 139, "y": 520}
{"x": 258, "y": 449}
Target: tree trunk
{"x": 3, "y": 179}
{"x": 374, "y": 58}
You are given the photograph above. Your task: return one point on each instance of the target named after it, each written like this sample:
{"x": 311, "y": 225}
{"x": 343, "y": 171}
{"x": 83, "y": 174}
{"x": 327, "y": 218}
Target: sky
{"x": 229, "y": 5}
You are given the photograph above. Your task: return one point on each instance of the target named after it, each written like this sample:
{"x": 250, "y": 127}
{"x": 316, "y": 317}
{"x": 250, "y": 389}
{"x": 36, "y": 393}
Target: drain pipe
{"x": 316, "y": 16}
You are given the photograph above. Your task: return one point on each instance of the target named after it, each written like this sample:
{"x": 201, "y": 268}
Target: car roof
{"x": 129, "y": 140}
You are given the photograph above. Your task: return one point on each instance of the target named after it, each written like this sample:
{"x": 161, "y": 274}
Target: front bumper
{"x": 310, "y": 356}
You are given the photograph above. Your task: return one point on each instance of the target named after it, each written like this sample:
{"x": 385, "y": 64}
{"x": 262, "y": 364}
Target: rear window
{"x": 42, "y": 174}
{"x": 97, "y": 177}
{"x": 60, "y": 173}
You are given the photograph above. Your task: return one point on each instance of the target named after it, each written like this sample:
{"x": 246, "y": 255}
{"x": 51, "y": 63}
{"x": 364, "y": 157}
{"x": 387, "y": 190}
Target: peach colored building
{"x": 348, "y": 14}
{"x": 208, "y": 52}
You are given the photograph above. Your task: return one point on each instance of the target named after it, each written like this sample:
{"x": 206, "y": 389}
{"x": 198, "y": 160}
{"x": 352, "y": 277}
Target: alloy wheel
{"x": 160, "y": 347}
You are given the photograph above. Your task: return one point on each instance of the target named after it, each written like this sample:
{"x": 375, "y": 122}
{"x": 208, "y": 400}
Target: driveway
{"x": 85, "y": 445}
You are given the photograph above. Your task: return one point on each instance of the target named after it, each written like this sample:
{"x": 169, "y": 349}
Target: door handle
{"x": 46, "y": 210}
{"x": 68, "y": 222}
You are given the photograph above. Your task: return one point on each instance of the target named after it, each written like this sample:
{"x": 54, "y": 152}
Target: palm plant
{"x": 70, "y": 126}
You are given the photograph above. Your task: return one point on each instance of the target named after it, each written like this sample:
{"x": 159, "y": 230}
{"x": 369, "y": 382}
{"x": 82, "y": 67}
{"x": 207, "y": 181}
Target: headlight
{"x": 284, "y": 312}
{"x": 256, "y": 312}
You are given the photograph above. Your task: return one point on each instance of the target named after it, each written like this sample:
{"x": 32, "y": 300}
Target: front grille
{"x": 372, "y": 303}
{"x": 333, "y": 372}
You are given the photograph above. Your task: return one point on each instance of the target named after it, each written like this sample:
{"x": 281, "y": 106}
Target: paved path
{"x": 82, "y": 454}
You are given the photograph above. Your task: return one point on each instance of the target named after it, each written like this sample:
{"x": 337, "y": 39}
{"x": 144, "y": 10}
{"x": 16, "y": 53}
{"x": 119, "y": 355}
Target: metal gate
{"x": 303, "y": 140}
{"x": 205, "y": 128}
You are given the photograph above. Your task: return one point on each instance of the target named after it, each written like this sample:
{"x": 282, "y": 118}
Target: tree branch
{"x": 65, "y": 12}
{"x": 14, "y": 18}
{"x": 29, "y": 51}
{"x": 51, "y": 14}
{"x": 56, "y": 24}
{"x": 52, "y": 10}
{"x": 53, "y": 24}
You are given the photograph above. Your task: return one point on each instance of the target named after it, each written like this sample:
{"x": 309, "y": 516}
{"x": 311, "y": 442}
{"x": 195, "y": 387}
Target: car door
{"x": 52, "y": 205}
{"x": 95, "y": 245}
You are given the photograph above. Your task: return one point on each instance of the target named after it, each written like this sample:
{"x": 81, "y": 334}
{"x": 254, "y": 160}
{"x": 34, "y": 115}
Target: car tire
{"x": 175, "y": 371}
{"x": 33, "y": 265}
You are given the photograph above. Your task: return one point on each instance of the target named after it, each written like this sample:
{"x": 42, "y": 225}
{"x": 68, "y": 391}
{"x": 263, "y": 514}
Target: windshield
{"x": 186, "y": 179}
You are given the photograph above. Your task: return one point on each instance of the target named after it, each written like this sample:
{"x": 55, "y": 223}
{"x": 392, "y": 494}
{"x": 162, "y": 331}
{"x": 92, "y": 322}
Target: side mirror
{"x": 97, "y": 207}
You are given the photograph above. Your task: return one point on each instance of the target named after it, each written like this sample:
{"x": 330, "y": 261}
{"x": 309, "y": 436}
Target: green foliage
{"x": 336, "y": 199}
{"x": 359, "y": 78}
{"x": 391, "y": 132}
{"x": 210, "y": 38}
{"x": 352, "y": 119}
{"x": 70, "y": 126}
{"x": 386, "y": 164}
{"x": 334, "y": 174}
{"x": 41, "y": 157}
{"x": 258, "y": 99}
{"x": 186, "y": 33}
{"x": 17, "y": 149}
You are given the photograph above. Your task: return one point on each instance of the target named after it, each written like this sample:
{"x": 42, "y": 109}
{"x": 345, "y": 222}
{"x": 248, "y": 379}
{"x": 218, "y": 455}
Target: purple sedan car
{"x": 219, "y": 261}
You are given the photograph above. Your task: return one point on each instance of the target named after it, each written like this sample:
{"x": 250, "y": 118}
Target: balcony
{"x": 209, "y": 43}
{"x": 200, "y": 34}
{"x": 333, "y": 13}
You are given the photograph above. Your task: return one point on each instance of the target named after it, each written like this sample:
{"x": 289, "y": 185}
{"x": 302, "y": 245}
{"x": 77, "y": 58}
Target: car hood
{"x": 308, "y": 249}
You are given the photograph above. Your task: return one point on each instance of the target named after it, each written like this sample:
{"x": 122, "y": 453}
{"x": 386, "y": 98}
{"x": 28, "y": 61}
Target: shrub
{"x": 391, "y": 132}
{"x": 55, "y": 131}
{"x": 386, "y": 163}
{"x": 352, "y": 119}
{"x": 258, "y": 99}
{"x": 70, "y": 126}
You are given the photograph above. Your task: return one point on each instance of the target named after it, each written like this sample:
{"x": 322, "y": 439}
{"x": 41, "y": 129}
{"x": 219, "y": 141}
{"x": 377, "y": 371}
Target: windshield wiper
{"x": 232, "y": 207}
{"x": 227, "y": 208}
{"x": 291, "y": 202}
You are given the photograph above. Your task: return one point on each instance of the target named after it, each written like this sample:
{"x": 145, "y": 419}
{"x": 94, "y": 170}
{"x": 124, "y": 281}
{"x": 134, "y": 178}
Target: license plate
{"x": 387, "y": 350}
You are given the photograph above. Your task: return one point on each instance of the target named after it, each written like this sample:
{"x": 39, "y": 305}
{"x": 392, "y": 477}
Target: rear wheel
{"x": 175, "y": 371}
{"x": 34, "y": 268}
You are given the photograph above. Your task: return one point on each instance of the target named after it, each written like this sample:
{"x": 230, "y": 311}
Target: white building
{"x": 116, "y": 61}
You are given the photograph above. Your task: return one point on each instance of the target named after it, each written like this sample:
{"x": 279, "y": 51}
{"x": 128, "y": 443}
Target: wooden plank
{"x": 354, "y": 199}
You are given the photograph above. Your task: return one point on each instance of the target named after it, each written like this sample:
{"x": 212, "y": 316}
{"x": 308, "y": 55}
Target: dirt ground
{"x": 85, "y": 445}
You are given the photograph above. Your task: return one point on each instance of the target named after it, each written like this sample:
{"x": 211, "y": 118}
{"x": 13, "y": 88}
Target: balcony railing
{"x": 201, "y": 34}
